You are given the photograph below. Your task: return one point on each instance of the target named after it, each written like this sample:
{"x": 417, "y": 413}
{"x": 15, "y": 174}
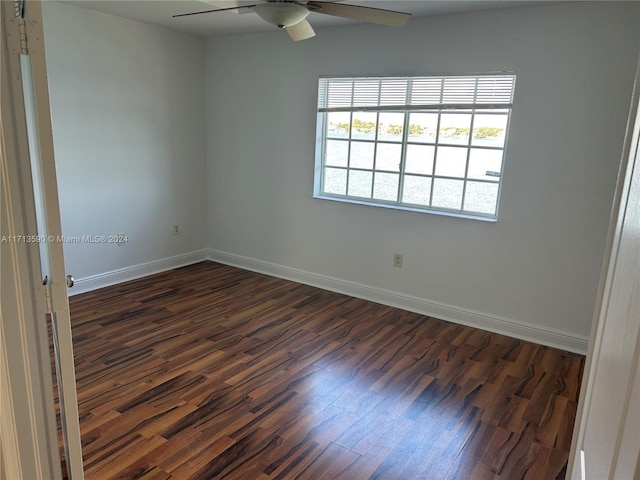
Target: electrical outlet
{"x": 397, "y": 260}
{"x": 176, "y": 230}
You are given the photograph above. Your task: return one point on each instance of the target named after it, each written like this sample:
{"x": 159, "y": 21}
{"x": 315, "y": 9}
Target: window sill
{"x": 445, "y": 213}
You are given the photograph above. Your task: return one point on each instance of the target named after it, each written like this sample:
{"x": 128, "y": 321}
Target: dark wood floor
{"x": 210, "y": 371}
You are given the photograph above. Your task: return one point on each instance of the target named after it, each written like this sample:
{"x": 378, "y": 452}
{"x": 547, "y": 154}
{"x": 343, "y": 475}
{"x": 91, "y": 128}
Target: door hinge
{"x": 47, "y": 293}
{"x": 16, "y": 31}
{"x": 22, "y": 28}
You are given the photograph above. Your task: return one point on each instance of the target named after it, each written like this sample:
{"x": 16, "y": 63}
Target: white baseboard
{"x": 93, "y": 282}
{"x": 505, "y": 326}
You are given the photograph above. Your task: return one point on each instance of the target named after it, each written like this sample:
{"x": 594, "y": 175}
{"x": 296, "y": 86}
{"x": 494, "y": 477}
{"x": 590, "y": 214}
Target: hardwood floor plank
{"x": 122, "y": 455}
{"x": 209, "y": 371}
{"x": 334, "y": 462}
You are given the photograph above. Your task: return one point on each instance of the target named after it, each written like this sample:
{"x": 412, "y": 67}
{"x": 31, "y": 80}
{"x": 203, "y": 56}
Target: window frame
{"x": 474, "y": 108}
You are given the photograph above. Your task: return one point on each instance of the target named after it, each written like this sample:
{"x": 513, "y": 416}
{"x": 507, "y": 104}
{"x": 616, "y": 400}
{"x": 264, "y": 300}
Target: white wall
{"x": 128, "y": 122}
{"x": 537, "y": 267}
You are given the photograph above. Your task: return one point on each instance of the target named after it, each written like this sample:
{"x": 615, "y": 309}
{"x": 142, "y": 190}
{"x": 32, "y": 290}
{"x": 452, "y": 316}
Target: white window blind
{"x": 414, "y": 93}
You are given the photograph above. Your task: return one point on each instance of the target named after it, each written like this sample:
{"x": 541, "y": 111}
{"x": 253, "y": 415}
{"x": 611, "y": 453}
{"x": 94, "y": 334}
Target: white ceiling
{"x": 159, "y": 12}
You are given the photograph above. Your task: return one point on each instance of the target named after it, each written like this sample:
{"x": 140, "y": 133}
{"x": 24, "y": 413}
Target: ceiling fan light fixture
{"x": 282, "y": 14}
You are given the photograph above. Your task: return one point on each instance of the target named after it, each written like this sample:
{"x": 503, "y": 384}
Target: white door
{"x": 32, "y": 240}
{"x": 606, "y": 442}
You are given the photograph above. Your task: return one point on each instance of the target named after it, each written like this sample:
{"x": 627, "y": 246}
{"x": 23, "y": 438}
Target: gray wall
{"x": 536, "y": 268}
{"x": 128, "y": 123}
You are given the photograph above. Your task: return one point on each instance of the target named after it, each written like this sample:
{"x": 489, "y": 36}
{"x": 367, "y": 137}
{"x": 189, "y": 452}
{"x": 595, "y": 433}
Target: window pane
{"x": 416, "y": 190}
{"x": 489, "y": 130}
{"x": 458, "y": 89}
{"x": 485, "y": 164}
{"x": 338, "y": 124}
{"x": 385, "y": 186}
{"x": 362, "y": 155}
{"x": 366, "y": 92}
{"x": 360, "y": 183}
{"x": 337, "y": 152}
{"x": 451, "y": 161}
{"x": 393, "y": 92}
{"x": 481, "y": 197}
{"x": 390, "y": 126}
{"x": 364, "y": 125}
{"x": 454, "y": 128}
{"x": 335, "y": 181}
{"x": 339, "y": 93}
{"x": 419, "y": 159}
{"x": 447, "y": 193}
{"x": 423, "y": 127}
{"x": 426, "y": 90}
{"x": 388, "y": 157}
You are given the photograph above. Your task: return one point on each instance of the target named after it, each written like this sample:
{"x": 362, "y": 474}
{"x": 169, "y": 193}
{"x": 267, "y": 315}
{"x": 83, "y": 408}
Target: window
{"x": 426, "y": 143}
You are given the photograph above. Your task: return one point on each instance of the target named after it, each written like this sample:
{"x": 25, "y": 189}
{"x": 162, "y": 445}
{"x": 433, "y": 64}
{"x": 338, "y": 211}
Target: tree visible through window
{"x": 429, "y": 143}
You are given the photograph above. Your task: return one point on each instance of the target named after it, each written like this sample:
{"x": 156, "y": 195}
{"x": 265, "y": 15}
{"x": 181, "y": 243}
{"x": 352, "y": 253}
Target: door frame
{"x": 26, "y": 388}
{"x": 624, "y": 456}
{"x": 26, "y": 395}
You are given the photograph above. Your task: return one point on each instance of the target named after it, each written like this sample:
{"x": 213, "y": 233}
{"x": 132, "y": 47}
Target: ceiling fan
{"x": 291, "y": 15}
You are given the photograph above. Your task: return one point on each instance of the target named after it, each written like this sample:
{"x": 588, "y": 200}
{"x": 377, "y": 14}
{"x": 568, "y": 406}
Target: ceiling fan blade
{"x": 363, "y": 14}
{"x": 214, "y": 10}
{"x": 301, "y": 31}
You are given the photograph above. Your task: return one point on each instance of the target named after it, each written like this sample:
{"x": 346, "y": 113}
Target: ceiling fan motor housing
{"x": 282, "y": 14}
{"x": 291, "y": 14}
